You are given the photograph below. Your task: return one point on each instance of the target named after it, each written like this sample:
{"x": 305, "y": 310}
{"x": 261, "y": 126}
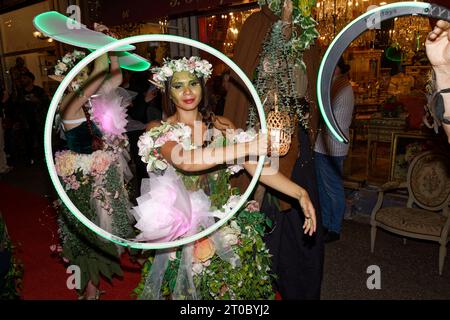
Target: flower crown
{"x": 67, "y": 62}
{"x": 201, "y": 68}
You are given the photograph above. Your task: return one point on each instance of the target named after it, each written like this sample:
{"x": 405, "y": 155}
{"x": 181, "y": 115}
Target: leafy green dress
{"x": 94, "y": 183}
{"x": 232, "y": 262}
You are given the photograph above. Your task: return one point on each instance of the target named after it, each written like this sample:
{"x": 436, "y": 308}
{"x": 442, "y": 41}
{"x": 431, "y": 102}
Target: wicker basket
{"x": 278, "y": 123}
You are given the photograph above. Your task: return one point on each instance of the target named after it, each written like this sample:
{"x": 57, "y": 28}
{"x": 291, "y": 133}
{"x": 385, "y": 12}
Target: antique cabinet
{"x": 380, "y": 130}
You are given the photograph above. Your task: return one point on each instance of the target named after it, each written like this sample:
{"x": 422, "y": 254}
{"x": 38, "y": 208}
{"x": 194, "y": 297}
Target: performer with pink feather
{"x": 94, "y": 169}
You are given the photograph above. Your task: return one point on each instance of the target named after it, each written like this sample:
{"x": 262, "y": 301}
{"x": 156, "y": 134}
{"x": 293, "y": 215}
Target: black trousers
{"x": 297, "y": 258}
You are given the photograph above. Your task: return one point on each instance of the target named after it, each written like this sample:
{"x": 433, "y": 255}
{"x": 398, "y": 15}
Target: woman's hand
{"x": 310, "y": 224}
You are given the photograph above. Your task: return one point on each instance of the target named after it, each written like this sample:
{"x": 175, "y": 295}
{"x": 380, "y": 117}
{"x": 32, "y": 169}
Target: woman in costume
{"x": 187, "y": 157}
{"x": 94, "y": 168}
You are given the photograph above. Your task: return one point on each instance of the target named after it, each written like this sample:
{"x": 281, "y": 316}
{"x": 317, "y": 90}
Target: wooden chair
{"x": 426, "y": 215}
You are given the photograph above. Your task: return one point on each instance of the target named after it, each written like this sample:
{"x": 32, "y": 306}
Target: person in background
{"x": 4, "y": 168}
{"x": 330, "y": 154}
{"x": 146, "y": 107}
{"x": 219, "y": 92}
{"x": 32, "y": 103}
{"x": 15, "y": 72}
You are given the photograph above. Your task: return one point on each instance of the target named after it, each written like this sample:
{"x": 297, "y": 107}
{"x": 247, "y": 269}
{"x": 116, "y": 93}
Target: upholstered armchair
{"x": 426, "y": 215}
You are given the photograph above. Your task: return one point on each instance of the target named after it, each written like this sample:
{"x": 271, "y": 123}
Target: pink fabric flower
{"x": 252, "y": 206}
{"x": 100, "y": 162}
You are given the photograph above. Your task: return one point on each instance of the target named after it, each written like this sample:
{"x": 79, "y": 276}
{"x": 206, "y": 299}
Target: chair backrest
{"x": 429, "y": 180}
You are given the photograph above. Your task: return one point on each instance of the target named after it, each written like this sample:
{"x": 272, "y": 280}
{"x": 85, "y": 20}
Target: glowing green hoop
{"x": 349, "y": 33}
{"x": 48, "y": 139}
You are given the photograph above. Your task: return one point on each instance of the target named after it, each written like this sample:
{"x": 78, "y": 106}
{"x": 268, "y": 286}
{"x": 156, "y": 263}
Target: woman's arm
{"x": 438, "y": 52}
{"x": 202, "y": 159}
{"x": 272, "y": 178}
{"x": 74, "y": 101}
{"x": 281, "y": 183}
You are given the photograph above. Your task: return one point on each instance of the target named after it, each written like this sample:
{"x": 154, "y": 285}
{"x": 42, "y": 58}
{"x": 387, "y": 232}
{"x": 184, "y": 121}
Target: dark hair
{"x": 204, "y": 107}
{"x": 343, "y": 66}
{"x": 28, "y": 74}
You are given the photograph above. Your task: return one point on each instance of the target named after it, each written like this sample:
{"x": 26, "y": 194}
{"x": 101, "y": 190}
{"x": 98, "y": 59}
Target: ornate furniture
{"x": 427, "y": 214}
{"x": 380, "y": 130}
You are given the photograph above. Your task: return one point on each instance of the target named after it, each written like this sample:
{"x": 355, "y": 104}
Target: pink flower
{"x": 162, "y": 140}
{"x": 100, "y": 162}
{"x": 252, "y": 206}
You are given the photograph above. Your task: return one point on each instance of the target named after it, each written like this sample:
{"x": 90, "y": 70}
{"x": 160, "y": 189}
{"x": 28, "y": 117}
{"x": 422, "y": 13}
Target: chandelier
{"x": 332, "y": 16}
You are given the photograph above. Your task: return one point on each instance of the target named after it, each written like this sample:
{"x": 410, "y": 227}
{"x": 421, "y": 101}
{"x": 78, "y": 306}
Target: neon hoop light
{"x": 49, "y": 152}
{"x": 366, "y": 21}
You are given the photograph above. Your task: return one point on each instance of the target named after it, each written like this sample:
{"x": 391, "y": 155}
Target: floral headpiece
{"x": 201, "y": 68}
{"x": 67, "y": 62}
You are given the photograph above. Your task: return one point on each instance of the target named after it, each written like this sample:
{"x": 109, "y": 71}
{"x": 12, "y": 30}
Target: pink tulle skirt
{"x": 166, "y": 210}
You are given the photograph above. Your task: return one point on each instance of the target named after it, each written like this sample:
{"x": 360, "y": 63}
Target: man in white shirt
{"x": 329, "y": 155}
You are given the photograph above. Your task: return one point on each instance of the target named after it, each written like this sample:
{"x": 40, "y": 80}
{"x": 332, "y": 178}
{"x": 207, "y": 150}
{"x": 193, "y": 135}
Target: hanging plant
{"x": 275, "y": 75}
{"x": 303, "y": 32}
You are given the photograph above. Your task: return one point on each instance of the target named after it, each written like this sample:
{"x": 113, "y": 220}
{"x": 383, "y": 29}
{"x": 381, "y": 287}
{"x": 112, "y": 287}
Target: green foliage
{"x": 251, "y": 280}
{"x": 220, "y": 279}
{"x": 119, "y": 204}
{"x": 275, "y": 74}
{"x": 12, "y": 281}
{"x": 81, "y": 246}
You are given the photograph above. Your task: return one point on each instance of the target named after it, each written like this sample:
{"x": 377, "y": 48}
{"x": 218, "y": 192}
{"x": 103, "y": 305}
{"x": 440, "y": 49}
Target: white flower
{"x": 160, "y": 165}
{"x": 235, "y": 226}
{"x": 179, "y": 65}
{"x": 230, "y": 236}
{"x": 66, "y": 59}
{"x": 197, "y": 268}
{"x": 84, "y": 163}
{"x": 231, "y": 203}
{"x": 245, "y": 136}
{"x": 234, "y": 169}
{"x": 61, "y": 66}
{"x": 230, "y": 239}
{"x": 201, "y": 68}
{"x": 145, "y": 144}
{"x": 219, "y": 214}
{"x": 168, "y": 72}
